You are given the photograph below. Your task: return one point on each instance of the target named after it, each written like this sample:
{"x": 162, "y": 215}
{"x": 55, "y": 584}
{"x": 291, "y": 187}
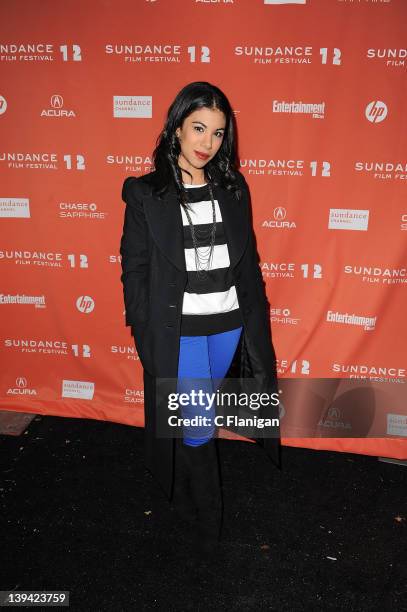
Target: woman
{"x": 194, "y": 297}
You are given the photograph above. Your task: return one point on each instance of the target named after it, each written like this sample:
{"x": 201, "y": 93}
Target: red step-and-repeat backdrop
{"x": 318, "y": 88}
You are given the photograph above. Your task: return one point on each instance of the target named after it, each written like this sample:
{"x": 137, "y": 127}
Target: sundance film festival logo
{"x": 389, "y": 57}
{"x": 35, "y": 258}
{"x": 285, "y": 269}
{"x": 383, "y": 170}
{"x": 21, "y": 388}
{"x": 286, "y": 167}
{"x": 159, "y": 53}
{"x": 128, "y": 351}
{"x": 377, "y": 274}
{"x": 37, "y": 346}
{"x": 39, "y": 52}
{"x": 131, "y": 163}
{"x": 288, "y": 54}
{"x": 376, "y": 111}
{"x": 279, "y": 221}
{"x": 133, "y": 107}
{"x": 57, "y": 110}
{"x": 372, "y": 372}
{"x": 41, "y": 160}
{"x": 85, "y": 304}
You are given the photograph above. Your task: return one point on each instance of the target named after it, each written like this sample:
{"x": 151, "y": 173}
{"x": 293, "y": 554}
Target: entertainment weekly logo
{"x": 22, "y": 300}
{"x": 286, "y": 167}
{"x": 368, "y": 323}
{"x": 288, "y": 54}
{"x": 377, "y": 275}
{"x": 348, "y": 219}
{"x": 140, "y": 164}
{"x": 40, "y": 52}
{"x": 383, "y": 170}
{"x": 19, "y": 160}
{"x": 133, "y": 107}
{"x": 158, "y": 53}
{"x": 315, "y": 109}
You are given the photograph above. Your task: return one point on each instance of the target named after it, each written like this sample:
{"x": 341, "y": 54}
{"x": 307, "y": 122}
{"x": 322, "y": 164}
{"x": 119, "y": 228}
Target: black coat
{"x": 154, "y": 277}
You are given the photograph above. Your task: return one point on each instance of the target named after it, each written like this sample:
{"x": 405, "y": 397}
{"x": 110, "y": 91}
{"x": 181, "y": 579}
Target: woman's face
{"x": 200, "y": 138}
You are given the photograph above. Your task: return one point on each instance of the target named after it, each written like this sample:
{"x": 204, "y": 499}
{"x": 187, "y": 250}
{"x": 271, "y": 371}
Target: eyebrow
{"x": 201, "y": 122}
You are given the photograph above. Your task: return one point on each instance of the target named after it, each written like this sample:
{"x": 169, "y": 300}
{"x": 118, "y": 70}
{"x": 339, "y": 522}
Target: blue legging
{"x": 204, "y": 358}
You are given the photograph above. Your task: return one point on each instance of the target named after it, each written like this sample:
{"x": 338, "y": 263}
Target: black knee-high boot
{"x": 182, "y": 500}
{"x": 203, "y": 466}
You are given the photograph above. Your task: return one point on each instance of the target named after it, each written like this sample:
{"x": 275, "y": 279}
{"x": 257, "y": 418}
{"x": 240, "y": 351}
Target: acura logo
{"x": 21, "y": 382}
{"x": 279, "y": 213}
{"x": 57, "y": 101}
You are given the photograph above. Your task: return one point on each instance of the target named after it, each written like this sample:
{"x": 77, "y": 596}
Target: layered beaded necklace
{"x": 200, "y": 236}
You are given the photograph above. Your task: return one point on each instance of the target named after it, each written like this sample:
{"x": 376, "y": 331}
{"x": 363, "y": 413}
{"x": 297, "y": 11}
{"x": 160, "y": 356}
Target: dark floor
{"x": 83, "y": 514}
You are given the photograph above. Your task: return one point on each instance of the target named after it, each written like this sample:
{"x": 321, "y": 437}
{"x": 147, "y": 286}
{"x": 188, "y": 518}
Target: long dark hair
{"x": 220, "y": 170}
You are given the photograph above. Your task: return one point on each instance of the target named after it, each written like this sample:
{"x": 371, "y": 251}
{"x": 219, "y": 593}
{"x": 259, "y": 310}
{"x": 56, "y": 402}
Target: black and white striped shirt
{"x": 210, "y": 306}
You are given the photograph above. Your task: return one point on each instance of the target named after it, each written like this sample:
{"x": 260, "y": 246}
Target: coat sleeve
{"x": 134, "y": 256}
{"x": 252, "y": 249}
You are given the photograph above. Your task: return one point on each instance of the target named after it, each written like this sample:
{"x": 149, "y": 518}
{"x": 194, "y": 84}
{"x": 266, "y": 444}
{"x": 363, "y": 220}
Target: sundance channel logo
{"x": 78, "y": 389}
{"x": 348, "y": 219}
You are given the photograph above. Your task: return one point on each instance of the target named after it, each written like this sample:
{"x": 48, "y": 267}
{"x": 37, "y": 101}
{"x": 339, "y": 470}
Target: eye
{"x": 220, "y": 134}
{"x": 198, "y": 127}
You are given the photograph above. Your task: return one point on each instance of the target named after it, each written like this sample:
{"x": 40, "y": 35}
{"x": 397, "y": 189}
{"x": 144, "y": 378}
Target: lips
{"x": 201, "y": 155}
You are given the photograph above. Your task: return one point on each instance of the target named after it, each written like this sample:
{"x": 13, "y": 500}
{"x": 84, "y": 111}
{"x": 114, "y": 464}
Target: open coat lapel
{"x": 165, "y": 222}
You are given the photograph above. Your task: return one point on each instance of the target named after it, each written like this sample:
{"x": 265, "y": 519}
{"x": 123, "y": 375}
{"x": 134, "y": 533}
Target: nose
{"x": 207, "y": 141}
